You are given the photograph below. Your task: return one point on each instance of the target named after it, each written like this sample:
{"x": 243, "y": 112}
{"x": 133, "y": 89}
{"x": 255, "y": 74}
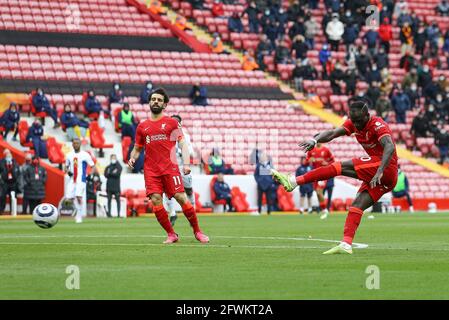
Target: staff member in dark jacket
{"x": 305, "y": 190}
{"x": 265, "y": 184}
{"x": 9, "y": 172}
{"x": 10, "y": 121}
{"x": 222, "y": 191}
{"x": 93, "y": 184}
{"x": 35, "y": 179}
{"x": 112, "y": 173}
{"x": 35, "y": 133}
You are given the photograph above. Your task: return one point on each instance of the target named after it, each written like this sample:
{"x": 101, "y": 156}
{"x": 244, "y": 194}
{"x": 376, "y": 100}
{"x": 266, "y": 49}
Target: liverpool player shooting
{"x": 378, "y": 170}
{"x": 159, "y": 135}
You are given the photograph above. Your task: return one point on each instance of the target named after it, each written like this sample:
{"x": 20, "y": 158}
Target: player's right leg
{"x": 290, "y": 182}
{"x": 162, "y": 217}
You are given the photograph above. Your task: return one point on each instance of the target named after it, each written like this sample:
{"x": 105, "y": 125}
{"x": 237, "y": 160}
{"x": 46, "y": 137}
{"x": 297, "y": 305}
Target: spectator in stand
{"x": 407, "y": 61}
{"x": 383, "y": 106}
{"x": 41, "y": 104}
{"x": 181, "y": 23}
{"x": 363, "y": 62}
{"x": 35, "y": 134}
{"x": 337, "y": 78}
{"x": 10, "y": 121}
{"x": 93, "y": 105}
{"x": 300, "y": 47}
{"x": 35, "y": 179}
{"x": 402, "y": 188}
{"x": 155, "y": 6}
{"x": 265, "y": 184}
{"x": 401, "y": 7}
{"x": 350, "y": 58}
{"x": 406, "y": 37}
{"x": 116, "y": 94}
{"x": 75, "y": 127}
{"x": 385, "y": 34}
{"x": 420, "y": 38}
{"x": 431, "y": 115}
{"x": 410, "y": 78}
{"x": 127, "y": 122}
{"x": 373, "y": 75}
{"x": 234, "y": 23}
{"x": 282, "y": 54}
{"x": 223, "y": 192}
{"x": 303, "y": 71}
{"x": 112, "y": 173}
{"x": 413, "y": 95}
{"x": 334, "y": 5}
{"x": 313, "y": 4}
{"x": 23, "y": 168}
{"x": 373, "y": 92}
{"x": 297, "y": 28}
{"x": 335, "y": 30}
{"x": 433, "y": 36}
{"x": 386, "y": 84}
{"x": 442, "y": 83}
{"x": 217, "y": 164}
{"x": 350, "y": 35}
{"x": 442, "y": 142}
{"x": 381, "y": 59}
{"x": 348, "y": 18}
{"x": 217, "y": 45}
{"x": 282, "y": 19}
{"x": 443, "y": 8}
{"x": 217, "y": 9}
{"x": 198, "y": 95}
{"x": 295, "y": 10}
{"x": 324, "y": 56}
{"x": 249, "y": 62}
{"x": 252, "y": 12}
{"x": 401, "y": 104}
{"x": 305, "y": 190}
{"x": 445, "y": 48}
{"x": 420, "y": 125}
{"x": 312, "y": 29}
{"x": 93, "y": 185}
{"x": 351, "y": 77}
{"x": 361, "y": 96}
{"x": 424, "y": 77}
{"x": 264, "y": 48}
{"x": 10, "y": 174}
{"x": 145, "y": 93}
{"x": 370, "y": 39}
{"x": 441, "y": 108}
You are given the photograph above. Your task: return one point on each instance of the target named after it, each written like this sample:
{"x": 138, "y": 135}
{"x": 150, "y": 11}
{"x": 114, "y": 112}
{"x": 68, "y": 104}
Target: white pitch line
{"x": 356, "y": 245}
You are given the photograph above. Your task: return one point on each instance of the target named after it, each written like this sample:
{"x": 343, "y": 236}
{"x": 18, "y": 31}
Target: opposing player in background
{"x": 378, "y": 170}
{"x": 318, "y": 157}
{"x": 186, "y": 178}
{"x": 159, "y": 135}
{"x": 76, "y": 165}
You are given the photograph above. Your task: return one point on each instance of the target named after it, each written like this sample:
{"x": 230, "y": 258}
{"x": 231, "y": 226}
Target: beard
{"x": 156, "y": 109}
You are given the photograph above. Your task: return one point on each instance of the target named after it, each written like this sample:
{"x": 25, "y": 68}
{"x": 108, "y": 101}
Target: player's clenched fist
{"x": 186, "y": 170}
{"x": 131, "y": 163}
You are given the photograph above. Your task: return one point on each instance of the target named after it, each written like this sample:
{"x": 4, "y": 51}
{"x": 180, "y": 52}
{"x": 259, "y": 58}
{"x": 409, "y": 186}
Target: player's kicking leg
{"x": 190, "y": 214}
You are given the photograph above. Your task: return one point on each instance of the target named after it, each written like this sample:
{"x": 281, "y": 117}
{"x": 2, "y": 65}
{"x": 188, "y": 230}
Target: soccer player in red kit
{"x": 158, "y": 135}
{"x": 318, "y": 157}
{"x": 378, "y": 170}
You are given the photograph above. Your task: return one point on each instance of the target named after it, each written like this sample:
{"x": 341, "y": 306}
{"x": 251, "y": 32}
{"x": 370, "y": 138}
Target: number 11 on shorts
{"x": 177, "y": 180}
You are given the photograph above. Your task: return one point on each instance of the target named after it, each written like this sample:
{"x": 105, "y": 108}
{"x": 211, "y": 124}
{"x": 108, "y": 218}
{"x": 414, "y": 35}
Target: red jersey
{"x": 159, "y": 140}
{"x": 370, "y": 136}
{"x": 318, "y": 157}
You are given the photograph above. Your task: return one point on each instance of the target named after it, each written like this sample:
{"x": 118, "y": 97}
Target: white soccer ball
{"x": 45, "y": 215}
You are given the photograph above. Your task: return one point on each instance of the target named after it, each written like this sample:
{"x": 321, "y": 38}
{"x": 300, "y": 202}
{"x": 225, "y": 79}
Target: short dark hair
{"x": 177, "y": 116}
{"x": 359, "y": 105}
{"x": 162, "y": 92}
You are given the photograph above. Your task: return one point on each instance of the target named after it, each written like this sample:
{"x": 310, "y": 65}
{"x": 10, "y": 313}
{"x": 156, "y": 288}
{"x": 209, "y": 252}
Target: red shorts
{"x": 366, "y": 168}
{"x": 170, "y": 184}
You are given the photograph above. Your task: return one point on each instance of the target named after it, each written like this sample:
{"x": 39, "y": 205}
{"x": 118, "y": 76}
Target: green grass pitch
{"x": 249, "y": 257}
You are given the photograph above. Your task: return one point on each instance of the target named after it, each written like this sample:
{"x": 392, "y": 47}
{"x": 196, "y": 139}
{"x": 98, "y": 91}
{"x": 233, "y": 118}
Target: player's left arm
{"x": 388, "y": 146}
{"x": 185, "y": 155}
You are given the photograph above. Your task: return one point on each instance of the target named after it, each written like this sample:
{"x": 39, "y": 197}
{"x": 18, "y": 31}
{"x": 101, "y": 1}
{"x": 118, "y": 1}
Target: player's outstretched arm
{"x": 134, "y": 156}
{"x": 388, "y": 146}
{"x": 322, "y": 137}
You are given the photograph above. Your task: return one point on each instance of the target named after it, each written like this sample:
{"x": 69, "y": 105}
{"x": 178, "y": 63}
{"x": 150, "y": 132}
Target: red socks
{"x": 189, "y": 213}
{"x": 162, "y": 218}
{"x": 352, "y": 223}
{"x": 319, "y": 174}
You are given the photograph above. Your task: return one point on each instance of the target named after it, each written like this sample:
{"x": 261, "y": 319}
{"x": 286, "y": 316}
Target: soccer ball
{"x": 45, "y": 215}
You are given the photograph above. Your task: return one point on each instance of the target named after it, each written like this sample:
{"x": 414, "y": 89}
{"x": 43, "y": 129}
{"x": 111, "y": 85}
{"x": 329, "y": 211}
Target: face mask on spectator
{"x": 150, "y": 86}
{"x": 113, "y": 161}
{"x": 116, "y": 87}
{"x": 431, "y": 109}
{"x": 8, "y": 158}
{"x": 413, "y": 88}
